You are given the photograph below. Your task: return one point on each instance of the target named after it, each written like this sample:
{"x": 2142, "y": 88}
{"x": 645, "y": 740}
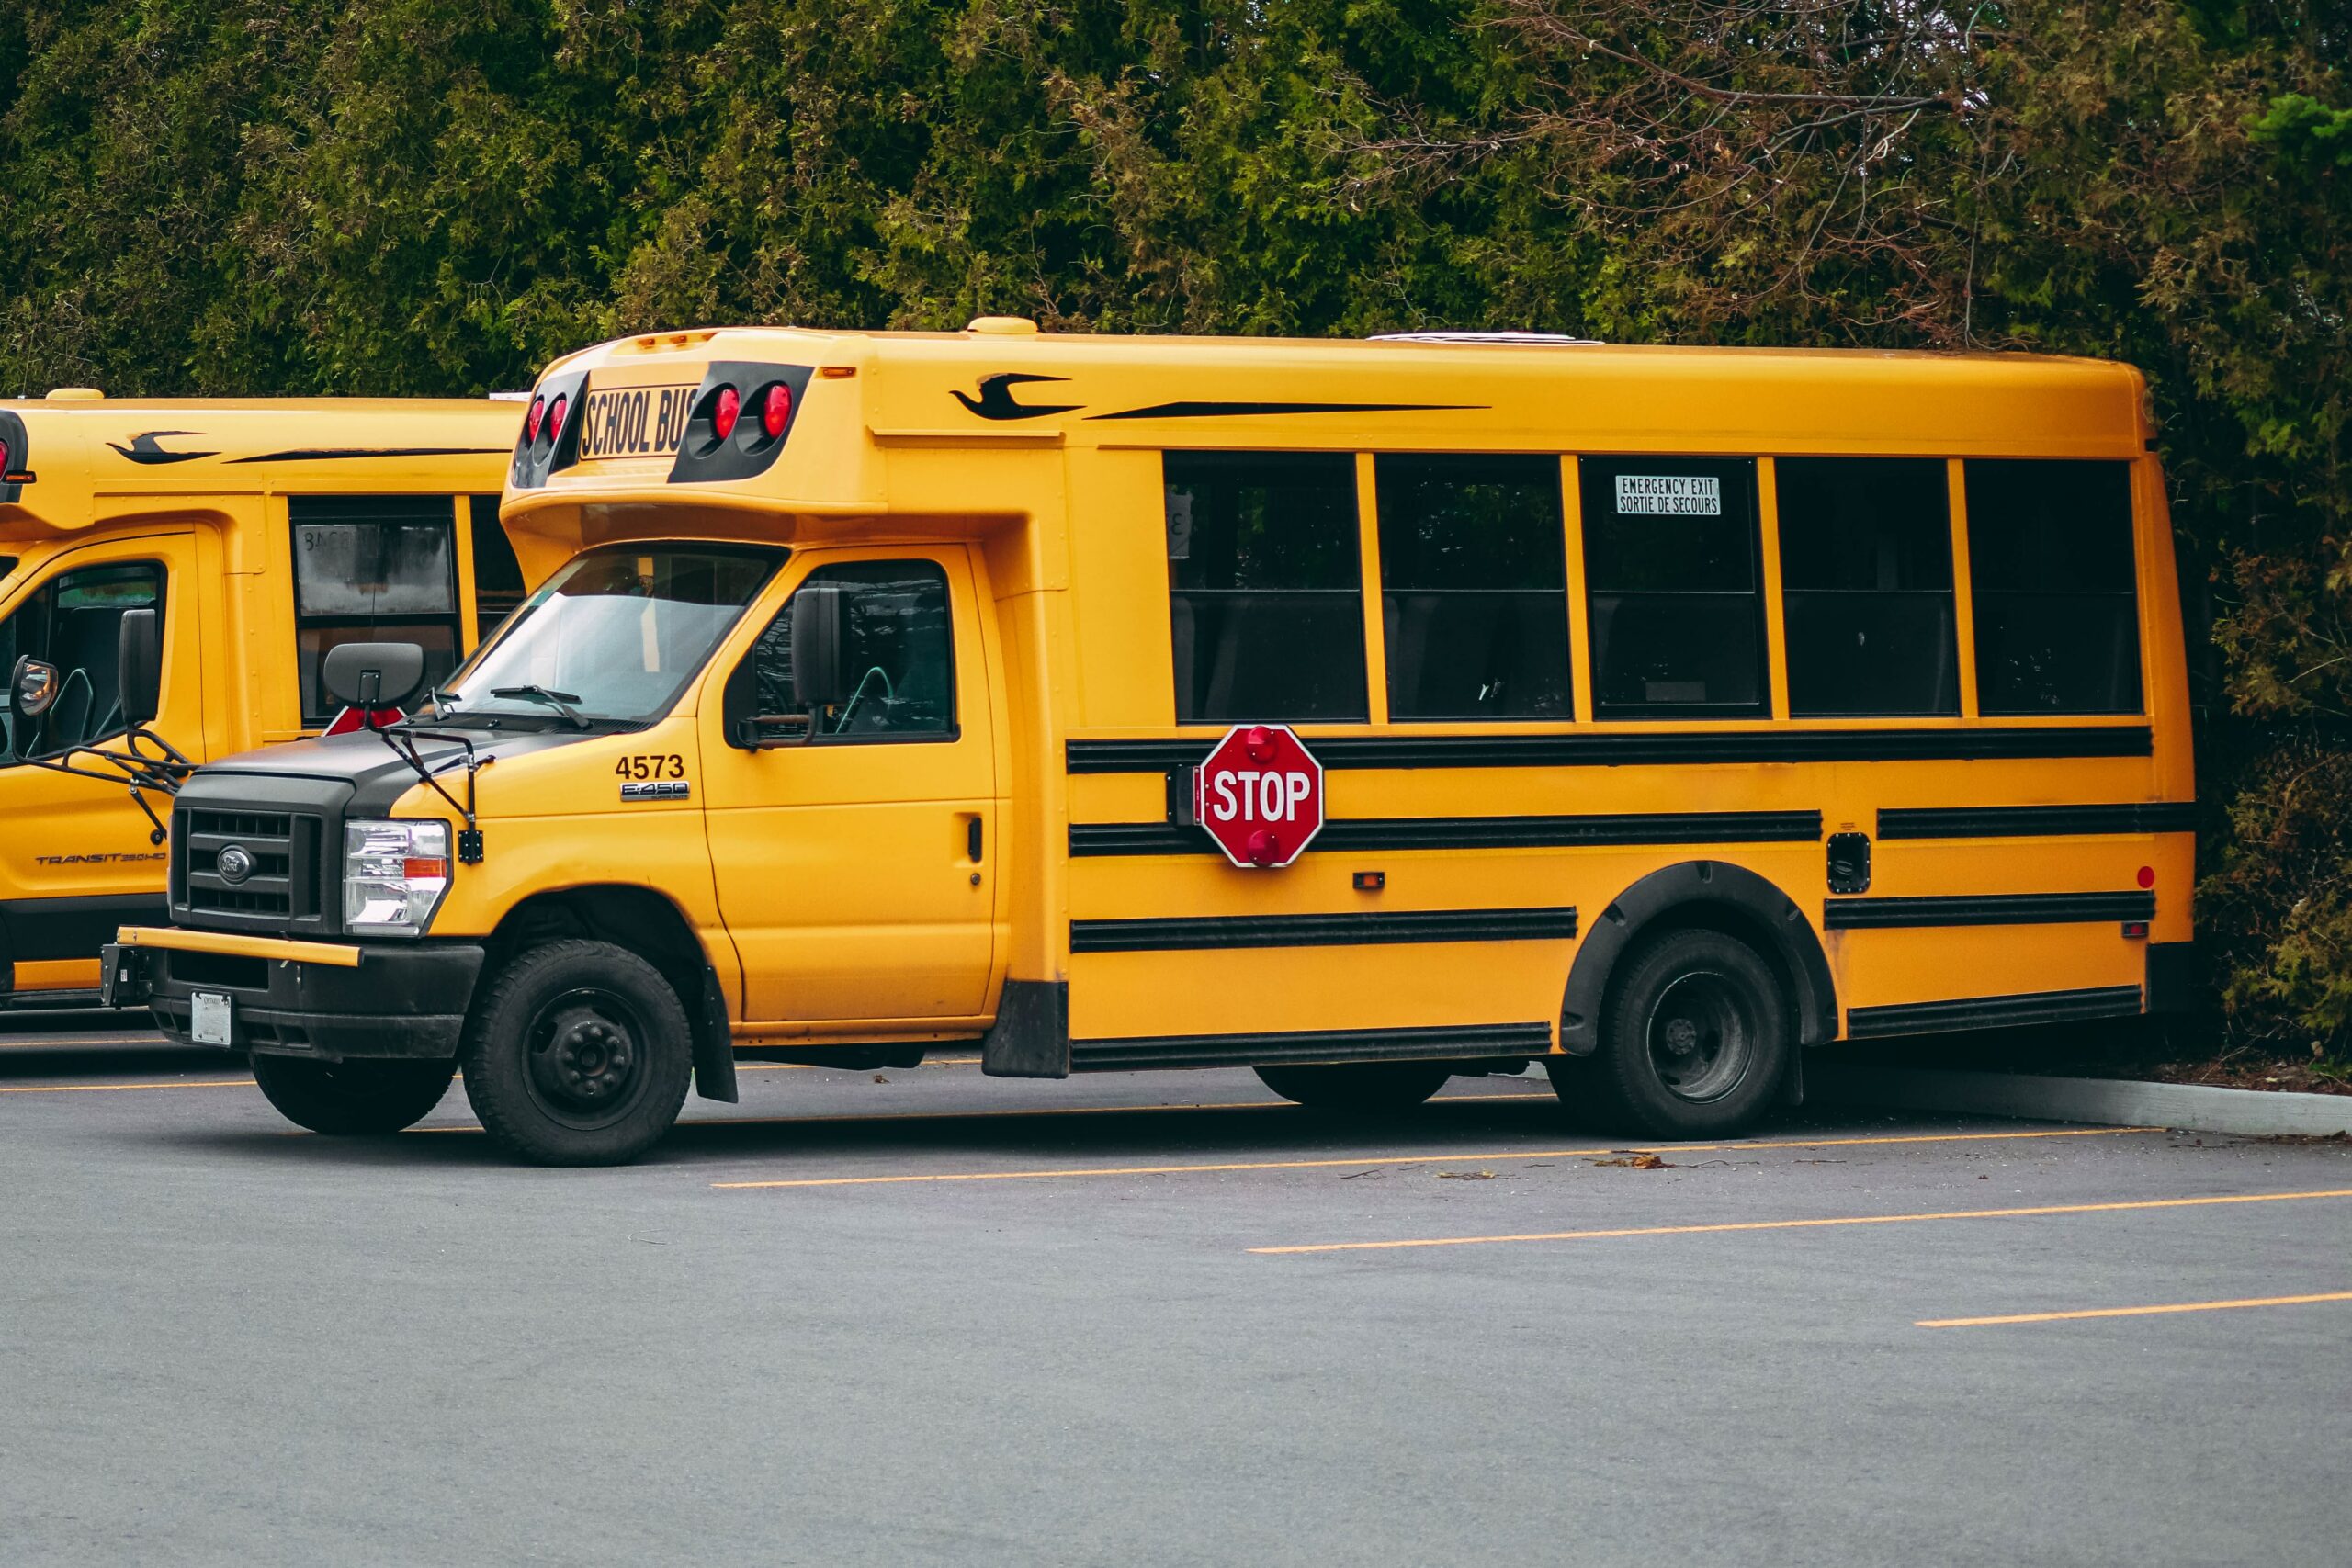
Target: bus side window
{"x": 1866, "y": 584}
{"x": 498, "y": 575}
{"x": 1671, "y": 581}
{"x": 1266, "y": 586}
{"x": 898, "y": 645}
{"x": 372, "y": 568}
{"x": 1473, "y": 587}
{"x": 2050, "y": 566}
{"x": 74, "y": 621}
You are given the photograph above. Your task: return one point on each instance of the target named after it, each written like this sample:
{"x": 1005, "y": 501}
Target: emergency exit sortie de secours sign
{"x": 1259, "y": 794}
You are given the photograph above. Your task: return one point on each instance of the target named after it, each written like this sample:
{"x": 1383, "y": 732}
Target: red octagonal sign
{"x": 1259, "y": 794}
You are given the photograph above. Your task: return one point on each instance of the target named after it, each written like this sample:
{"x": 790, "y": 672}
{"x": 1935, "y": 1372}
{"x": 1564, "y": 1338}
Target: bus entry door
{"x": 853, "y": 847}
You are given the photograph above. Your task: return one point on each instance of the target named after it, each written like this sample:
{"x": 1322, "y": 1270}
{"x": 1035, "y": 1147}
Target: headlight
{"x": 393, "y": 876}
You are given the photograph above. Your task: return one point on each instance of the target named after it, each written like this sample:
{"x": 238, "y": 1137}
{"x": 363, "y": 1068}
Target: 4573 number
{"x": 660, "y": 765}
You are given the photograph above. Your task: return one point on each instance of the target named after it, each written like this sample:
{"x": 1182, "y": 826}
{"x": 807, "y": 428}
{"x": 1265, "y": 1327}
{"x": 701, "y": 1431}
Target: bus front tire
{"x": 578, "y": 1053}
{"x": 354, "y": 1098}
{"x": 1694, "y": 1040}
{"x": 1357, "y": 1086}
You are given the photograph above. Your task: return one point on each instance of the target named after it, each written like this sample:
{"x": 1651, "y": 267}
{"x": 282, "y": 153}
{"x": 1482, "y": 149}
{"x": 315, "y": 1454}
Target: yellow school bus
{"x": 1651, "y": 713}
{"x": 263, "y": 534}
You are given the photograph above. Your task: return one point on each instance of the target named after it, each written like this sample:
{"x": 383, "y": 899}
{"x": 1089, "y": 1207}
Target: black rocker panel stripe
{"x": 1988, "y": 909}
{"x": 2023, "y": 821}
{"x": 1367, "y": 833}
{"x": 1181, "y": 933}
{"x": 48, "y": 929}
{"x": 1449, "y": 1041}
{"x": 1619, "y": 750}
{"x": 1992, "y": 1012}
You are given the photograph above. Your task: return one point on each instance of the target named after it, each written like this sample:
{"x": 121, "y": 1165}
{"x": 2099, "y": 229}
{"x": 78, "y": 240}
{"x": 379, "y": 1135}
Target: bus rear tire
{"x": 1694, "y": 1039}
{"x": 577, "y": 1053}
{"x": 1358, "y": 1086}
{"x": 354, "y": 1098}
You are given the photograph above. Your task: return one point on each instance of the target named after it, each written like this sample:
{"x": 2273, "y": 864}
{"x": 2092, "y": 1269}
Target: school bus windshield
{"x": 613, "y": 636}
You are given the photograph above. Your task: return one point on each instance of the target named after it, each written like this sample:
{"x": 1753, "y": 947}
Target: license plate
{"x": 207, "y": 1019}
{"x": 634, "y": 422}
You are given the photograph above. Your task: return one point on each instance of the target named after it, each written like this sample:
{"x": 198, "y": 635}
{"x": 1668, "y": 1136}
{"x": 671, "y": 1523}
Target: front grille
{"x": 283, "y": 886}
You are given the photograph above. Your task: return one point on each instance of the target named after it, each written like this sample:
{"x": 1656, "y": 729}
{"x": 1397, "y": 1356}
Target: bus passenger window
{"x": 2049, "y": 566}
{"x": 1266, "y": 586}
{"x": 1670, "y": 575}
{"x": 74, "y": 621}
{"x": 897, "y": 646}
{"x": 498, "y": 576}
{"x": 1866, "y": 586}
{"x": 1474, "y": 586}
{"x": 372, "y": 568}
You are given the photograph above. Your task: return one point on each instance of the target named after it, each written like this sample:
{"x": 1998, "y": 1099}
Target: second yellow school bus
{"x": 261, "y": 532}
{"x": 1676, "y": 710}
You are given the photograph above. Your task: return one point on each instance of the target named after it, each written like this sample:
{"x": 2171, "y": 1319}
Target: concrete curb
{"x": 2118, "y": 1103}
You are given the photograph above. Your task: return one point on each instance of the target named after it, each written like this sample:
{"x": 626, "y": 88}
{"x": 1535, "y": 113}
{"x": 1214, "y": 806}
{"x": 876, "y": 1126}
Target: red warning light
{"x": 531, "y": 420}
{"x": 775, "y": 410}
{"x": 724, "y": 410}
{"x": 2147, "y": 877}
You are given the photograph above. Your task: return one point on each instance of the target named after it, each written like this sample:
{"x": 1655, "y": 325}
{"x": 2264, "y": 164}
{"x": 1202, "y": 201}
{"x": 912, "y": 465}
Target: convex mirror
{"x": 373, "y": 674}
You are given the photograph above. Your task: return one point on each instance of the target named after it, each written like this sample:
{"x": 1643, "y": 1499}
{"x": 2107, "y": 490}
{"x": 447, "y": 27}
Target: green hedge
{"x": 420, "y": 195}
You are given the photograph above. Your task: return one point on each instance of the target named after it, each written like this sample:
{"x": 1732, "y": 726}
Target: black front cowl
{"x": 285, "y": 807}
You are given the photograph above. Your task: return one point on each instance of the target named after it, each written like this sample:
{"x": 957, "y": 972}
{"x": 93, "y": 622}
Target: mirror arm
{"x": 470, "y": 847}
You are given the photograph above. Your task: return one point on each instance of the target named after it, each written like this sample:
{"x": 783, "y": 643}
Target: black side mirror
{"x": 140, "y": 668}
{"x": 32, "y": 691}
{"x": 818, "y": 680}
{"x": 373, "y": 674}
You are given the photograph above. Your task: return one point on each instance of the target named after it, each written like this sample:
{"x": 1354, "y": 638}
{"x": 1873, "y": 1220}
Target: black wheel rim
{"x": 585, "y": 1057}
{"x": 1701, "y": 1036}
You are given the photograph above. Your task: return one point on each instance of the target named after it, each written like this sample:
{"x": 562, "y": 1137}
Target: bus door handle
{"x": 972, "y": 842}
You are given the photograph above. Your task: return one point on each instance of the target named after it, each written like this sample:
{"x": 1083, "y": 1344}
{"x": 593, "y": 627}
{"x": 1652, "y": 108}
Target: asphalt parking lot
{"x": 922, "y": 1315}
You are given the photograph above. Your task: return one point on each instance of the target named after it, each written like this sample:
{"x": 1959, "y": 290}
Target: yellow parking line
{"x": 116, "y": 1088}
{"x": 2135, "y": 1312}
{"x": 1399, "y": 1159}
{"x": 1812, "y": 1224}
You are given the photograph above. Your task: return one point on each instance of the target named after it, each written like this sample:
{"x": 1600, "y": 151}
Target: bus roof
{"x": 67, "y": 452}
{"x": 869, "y": 409}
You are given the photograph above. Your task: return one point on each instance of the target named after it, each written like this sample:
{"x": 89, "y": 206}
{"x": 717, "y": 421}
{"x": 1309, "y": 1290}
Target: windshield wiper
{"x": 559, "y": 701}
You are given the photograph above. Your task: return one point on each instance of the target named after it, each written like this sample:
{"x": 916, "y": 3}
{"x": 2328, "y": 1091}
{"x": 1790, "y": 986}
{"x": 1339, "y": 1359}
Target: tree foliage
{"x": 412, "y": 196}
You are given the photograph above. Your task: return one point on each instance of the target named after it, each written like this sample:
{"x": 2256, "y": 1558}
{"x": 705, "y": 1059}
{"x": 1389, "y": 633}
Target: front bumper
{"x": 299, "y": 998}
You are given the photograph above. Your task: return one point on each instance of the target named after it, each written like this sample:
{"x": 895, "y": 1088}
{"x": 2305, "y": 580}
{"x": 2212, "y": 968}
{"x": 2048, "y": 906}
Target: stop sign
{"x": 1259, "y": 794}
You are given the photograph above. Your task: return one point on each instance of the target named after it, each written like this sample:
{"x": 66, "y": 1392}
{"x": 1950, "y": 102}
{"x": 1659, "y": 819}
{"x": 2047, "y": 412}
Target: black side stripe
{"x": 1992, "y": 1012}
{"x": 1988, "y": 909}
{"x": 2022, "y": 821}
{"x": 1956, "y": 744}
{"x": 1361, "y": 834}
{"x": 1195, "y": 932}
{"x": 1449, "y": 1041}
{"x": 338, "y": 454}
{"x": 1198, "y": 410}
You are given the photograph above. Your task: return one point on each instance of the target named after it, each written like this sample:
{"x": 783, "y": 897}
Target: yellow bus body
{"x": 207, "y": 493}
{"x": 2016, "y": 866}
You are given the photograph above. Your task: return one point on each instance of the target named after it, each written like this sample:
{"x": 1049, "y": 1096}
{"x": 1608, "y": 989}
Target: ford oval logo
{"x": 235, "y": 864}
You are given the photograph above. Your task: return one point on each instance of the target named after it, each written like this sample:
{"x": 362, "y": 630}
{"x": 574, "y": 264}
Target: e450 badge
{"x": 660, "y": 775}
